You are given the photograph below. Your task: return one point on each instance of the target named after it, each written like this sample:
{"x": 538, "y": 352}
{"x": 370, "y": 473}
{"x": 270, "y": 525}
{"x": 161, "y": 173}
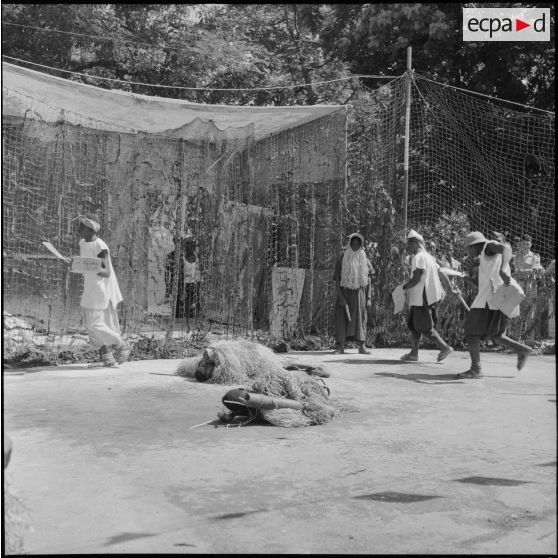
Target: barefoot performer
{"x": 484, "y": 320}
{"x": 101, "y": 294}
{"x": 424, "y": 291}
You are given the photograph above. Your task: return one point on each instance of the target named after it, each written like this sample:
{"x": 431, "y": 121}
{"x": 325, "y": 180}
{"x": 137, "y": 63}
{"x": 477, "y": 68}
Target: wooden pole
{"x": 179, "y": 231}
{"x": 407, "y": 131}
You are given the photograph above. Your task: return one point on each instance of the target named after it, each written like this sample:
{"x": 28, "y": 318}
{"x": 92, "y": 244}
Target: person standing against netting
{"x": 189, "y": 278}
{"x": 501, "y": 238}
{"x": 352, "y": 276}
{"x": 449, "y": 260}
{"x": 424, "y": 291}
{"x": 101, "y": 295}
{"x": 484, "y": 320}
{"x": 432, "y": 249}
{"x": 192, "y": 278}
{"x": 530, "y": 274}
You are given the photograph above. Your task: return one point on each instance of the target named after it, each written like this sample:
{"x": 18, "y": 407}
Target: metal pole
{"x": 407, "y": 132}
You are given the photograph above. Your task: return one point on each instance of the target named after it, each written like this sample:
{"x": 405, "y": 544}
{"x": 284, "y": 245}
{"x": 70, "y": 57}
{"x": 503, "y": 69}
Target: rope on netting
{"x": 415, "y": 75}
{"x": 473, "y": 164}
{"x": 265, "y": 88}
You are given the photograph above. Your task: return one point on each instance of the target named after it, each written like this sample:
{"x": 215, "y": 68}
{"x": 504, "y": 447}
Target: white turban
{"x": 84, "y": 220}
{"x": 414, "y": 234}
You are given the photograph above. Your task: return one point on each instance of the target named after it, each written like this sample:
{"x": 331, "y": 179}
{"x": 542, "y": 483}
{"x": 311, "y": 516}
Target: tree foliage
{"x": 182, "y": 45}
{"x": 373, "y": 38}
{"x": 266, "y": 45}
{"x": 250, "y": 47}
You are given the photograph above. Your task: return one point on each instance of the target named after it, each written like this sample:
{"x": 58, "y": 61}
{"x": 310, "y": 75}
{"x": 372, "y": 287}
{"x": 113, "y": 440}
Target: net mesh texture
{"x": 266, "y": 218}
{"x": 261, "y": 218}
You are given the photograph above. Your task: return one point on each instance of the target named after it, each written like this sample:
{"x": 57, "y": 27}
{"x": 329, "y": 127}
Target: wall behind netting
{"x": 264, "y": 216}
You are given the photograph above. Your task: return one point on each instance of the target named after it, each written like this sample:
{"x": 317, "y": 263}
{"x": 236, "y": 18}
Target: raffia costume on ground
{"x": 259, "y": 370}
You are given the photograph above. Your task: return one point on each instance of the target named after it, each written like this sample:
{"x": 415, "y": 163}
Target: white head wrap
{"x": 84, "y": 220}
{"x": 414, "y": 234}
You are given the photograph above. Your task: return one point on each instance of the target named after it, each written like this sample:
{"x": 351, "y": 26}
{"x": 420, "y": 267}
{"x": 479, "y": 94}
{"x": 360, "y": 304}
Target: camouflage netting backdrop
{"x": 268, "y": 199}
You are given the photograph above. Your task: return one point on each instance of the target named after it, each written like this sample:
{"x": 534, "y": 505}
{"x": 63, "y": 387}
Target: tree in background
{"x": 265, "y": 45}
{"x": 257, "y": 46}
{"x": 373, "y": 38}
{"x": 197, "y": 45}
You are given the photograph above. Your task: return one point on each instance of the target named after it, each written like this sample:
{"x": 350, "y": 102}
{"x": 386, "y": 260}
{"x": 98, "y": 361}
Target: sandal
{"x": 107, "y": 361}
{"x": 444, "y": 353}
{"x": 474, "y": 374}
{"x": 124, "y": 354}
{"x": 409, "y": 358}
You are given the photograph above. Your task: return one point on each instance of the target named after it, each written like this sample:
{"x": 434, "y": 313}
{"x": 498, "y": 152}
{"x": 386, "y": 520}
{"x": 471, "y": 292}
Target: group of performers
{"x": 424, "y": 290}
{"x": 485, "y": 320}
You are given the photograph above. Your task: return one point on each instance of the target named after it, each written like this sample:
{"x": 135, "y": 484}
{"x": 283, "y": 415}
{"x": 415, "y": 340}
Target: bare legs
{"x": 433, "y": 335}
{"x": 473, "y": 342}
{"x": 523, "y": 351}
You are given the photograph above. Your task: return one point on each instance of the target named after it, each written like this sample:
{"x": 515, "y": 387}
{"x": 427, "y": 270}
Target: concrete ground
{"x": 106, "y": 461}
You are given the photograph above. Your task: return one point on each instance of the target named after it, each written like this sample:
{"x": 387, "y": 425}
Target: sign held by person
{"x": 81, "y": 264}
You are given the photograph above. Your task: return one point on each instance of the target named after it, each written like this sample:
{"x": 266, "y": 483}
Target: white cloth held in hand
{"x": 398, "y": 296}
{"x": 507, "y": 298}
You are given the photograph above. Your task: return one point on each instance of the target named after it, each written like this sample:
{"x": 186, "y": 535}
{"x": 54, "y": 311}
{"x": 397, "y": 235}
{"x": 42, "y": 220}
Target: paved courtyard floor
{"x": 106, "y": 461}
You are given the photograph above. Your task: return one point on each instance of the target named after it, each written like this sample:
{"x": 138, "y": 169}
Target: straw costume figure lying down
{"x": 283, "y": 393}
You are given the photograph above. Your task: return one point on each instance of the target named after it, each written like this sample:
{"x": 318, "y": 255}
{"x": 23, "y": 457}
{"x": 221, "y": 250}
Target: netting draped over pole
{"x": 263, "y": 197}
{"x": 492, "y": 161}
{"x": 255, "y": 197}
{"x": 474, "y": 164}
{"x": 407, "y": 132}
{"x": 485, "y": 165}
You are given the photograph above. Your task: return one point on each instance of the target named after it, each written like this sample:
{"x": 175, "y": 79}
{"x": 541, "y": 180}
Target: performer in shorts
{"x": 424, "y": 291}
{"x": 101, "y": 294}
{"x": 485, "y": 321}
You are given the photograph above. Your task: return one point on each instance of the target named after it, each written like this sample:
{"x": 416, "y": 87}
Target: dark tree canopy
{"x": 373, "y": 39}
{"x": 265, "y": 45}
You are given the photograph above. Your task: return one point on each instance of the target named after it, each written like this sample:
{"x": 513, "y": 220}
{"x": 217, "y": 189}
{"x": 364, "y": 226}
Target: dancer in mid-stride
{"x": 101, "y": 294}
{"x": 484, "y": 320}
{"x": 424, "y": 291}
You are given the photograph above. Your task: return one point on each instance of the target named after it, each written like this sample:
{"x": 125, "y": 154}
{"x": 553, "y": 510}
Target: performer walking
{"x": 424, "y": 291}
{"x": 484, "y": 320}
{"x": 101, "y": 294}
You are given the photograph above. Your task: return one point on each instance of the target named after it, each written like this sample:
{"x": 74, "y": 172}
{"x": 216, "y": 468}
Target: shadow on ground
{"x": 53, "y": 368}
{"x": 422, "y": 378}
{"x": 374, "y": 361}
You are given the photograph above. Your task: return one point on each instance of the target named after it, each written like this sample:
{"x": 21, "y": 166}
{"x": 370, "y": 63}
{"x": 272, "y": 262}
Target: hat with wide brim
{"x": 475, "y": 237}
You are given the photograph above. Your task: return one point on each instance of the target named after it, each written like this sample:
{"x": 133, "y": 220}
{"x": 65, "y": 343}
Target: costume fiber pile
{"x": 255, "y": 369}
